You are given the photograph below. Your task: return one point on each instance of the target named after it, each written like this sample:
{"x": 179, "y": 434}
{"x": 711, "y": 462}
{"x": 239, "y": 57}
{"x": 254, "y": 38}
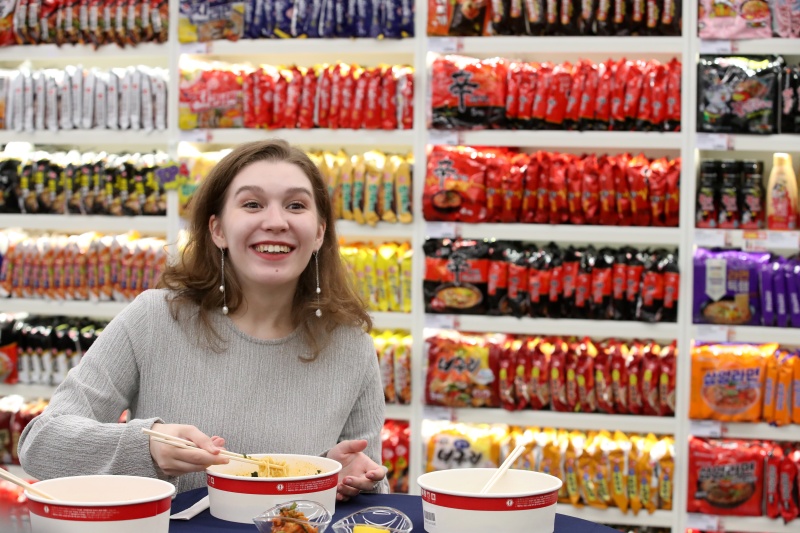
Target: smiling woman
{"x": 257, "y": 311}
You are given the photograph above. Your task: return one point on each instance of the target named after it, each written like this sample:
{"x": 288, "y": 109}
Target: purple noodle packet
{"x": 767, "y": 294}
{"x": 792, "y": 271}
{"x": 779, "y": 290}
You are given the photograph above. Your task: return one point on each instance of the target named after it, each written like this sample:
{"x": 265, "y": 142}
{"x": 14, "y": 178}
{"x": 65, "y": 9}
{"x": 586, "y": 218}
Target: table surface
{"x": 410, "y": 505}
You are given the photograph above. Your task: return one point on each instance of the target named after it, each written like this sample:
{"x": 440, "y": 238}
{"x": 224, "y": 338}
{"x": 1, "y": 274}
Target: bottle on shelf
{"x": 730, "y": 180}
{"x": 752, "y": 195}
{"x": 782, "y": 194}
{"x": 708, "y": 195}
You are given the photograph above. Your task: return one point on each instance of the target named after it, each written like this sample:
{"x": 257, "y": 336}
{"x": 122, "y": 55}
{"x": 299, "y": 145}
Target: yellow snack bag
{"x": 366, "y": 264}
{"x": 359, "y": 186}
{"x": 602, "y": 478}
{"x": 406, "y": 277}
{"x": 463, "y": 447}
{"x": 618, "y": 463}
{"x": 385, "y": 350}
{"x": 588, "y": 474}
{"x": 632, "y": 475}
{"x": 403, "y": 190}
{"x": 770, "y": 385}
{"x": 350, "y": 256}
{"x": 402, "y": 369}
{"x": 387, "y": 201}
{"x": 572, "y": 479}
{"x": 375, "y": 163}
{"x": 332, "y": 179}
{"x": 389, "y": 266}
{"x": 346, "y": 179}
{"x": 783, "y": 391}
{"x": 648, "y": 480}
{"x": 527, "y": 461}
{"x": 551, "y": 460}
{"x": 664, "y": 455}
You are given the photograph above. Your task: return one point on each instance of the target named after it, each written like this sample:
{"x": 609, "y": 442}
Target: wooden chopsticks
{"x": 183, "y": 443}
{"x": 8, "y": 476}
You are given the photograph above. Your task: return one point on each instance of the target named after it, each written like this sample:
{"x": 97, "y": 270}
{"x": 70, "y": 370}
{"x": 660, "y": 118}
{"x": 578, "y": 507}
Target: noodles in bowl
{"x": 237, "y": 492}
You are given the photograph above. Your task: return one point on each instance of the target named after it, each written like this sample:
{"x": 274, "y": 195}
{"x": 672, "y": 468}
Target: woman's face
{"x": 269, "y": 225}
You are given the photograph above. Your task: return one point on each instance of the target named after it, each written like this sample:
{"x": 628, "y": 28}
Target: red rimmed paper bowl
{"x": 97, "y": 504}
{"x": 520, "y": 501}
{"x": 236, "y": 497}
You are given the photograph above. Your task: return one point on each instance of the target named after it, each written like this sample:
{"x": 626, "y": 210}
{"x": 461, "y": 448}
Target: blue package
{"x": 779, "y": 290}
{"x": 390, "y": 19}
{"x": 301, "y": 17}
{"x": 327, "y": 20}
{"x": 375, "y": 28}
{"x": 363, "y": 18}
{"x": 249, "y": 14}
{"x": 267, "y": 19}
{"x": 282, "y": 18}
{"x": 406, "y": 18}
{"x": 767, "y": 295}
{"x": 792, "y": 271}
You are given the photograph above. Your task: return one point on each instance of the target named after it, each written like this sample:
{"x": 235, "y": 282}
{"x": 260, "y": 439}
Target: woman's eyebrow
{"x": 249, "y": 188}
{"x": 257, "y": 189}
{"x": 298, "y": 190}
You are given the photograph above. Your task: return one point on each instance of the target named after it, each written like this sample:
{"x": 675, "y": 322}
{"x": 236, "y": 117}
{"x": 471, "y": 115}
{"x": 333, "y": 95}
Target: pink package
{"x": 735, "y": 19}
{"x": 782, "y": 17}
{"x": 796, "y": 18}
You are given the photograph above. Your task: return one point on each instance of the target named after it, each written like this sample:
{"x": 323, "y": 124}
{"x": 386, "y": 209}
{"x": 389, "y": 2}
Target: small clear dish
{"x": 377, "y": 519}
{"x": 316, "y": 516}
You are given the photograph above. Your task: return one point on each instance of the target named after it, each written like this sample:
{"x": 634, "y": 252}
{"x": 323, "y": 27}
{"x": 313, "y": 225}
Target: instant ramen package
{"x": 738, "y": 94}
{"x": 461, "y": 372}
{"x": 468, "y": 93}
{"x": 456, "y": 276}
{"x": 210, "y": 20}
{"x": 740, "y": 19}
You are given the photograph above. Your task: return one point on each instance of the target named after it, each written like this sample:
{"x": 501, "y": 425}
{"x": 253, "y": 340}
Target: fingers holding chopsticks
{"x": 176, "y": 458}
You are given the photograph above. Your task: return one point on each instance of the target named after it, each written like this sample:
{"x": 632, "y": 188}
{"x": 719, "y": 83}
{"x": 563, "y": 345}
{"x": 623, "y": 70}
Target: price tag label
{"x": 710, "y": 238}
{"x": 754, "y": 241}
{"x": 714, "y": 141}
{"x": 445, "y": 137}
{"x": 196, "y": 136}
{"x": 716, "y": 47}
{"x": 195, "y": 48}
{"x": 783, "y": 239}
{"x": 440, "y": 230}
{"x": 435, "y": 412}
{"x": 712, "y": 333}
{"x": 445, "y": 45}
{"x": 441, "y": 321}
{"x": 703, "y": 522}
{"x": 705, "y": 428}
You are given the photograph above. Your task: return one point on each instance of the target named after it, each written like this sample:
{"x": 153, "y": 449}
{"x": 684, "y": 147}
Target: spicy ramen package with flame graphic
{"x": 462, "y": 371}
{"x": 456, "y": 276}
{"x": 468, "y": 93}
{"x": 455, "y": 185}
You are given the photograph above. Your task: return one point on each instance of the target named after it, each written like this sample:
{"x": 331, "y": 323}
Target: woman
{"x": 255, "y": 336}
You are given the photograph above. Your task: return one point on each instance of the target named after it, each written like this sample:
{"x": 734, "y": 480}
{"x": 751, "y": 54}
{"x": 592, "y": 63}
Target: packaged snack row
{"x": 133, "y": 98}
{"x": 381, "y": 274}
{"x": 747, "y": 94}
{"x": 395, "y": 446}
{"x": 744, "y": 478}
{"x": 394, "y": 359}
{"x": 83, "y": 184}
{"x": 220, "y": 95}
{"x": 285, "y": 19}
{"x": 469, "y": 184}
{"x": 89, "y": 267}
{"x": 555, "y": 373}
{"x": 748, "y": 19}
{"x": 564, "y": 17}
{"x": 731, "y": 195}
{"x": 745, "y": 383}
{"x": 620, "y": 95}
{"x": 734, "y": 287}
{"x": 15, "y": 414}
{"x": 41, "y": 350}
{"x": 599, "y": 469}
{"x": 473, "y": 277}
{"x": 125, "y": 23}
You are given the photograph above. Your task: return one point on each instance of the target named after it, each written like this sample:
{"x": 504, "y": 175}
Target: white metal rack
{"x": 684, "y": 143}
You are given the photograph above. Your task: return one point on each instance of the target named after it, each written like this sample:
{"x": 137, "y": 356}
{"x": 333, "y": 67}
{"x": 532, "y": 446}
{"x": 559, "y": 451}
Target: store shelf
{"x": 572, "y": 234}
{"x": 391, "y": 320}
{"x": 776, "y": 241}
{"x": 512, "y": 46}
{"x": 760, "y": 431}
{"x": 104, "y": 310}
{"x": 382, "y": 232}
{"x": 754, "y": 334}
{"x": 660, "y": 425}
{"x": 751, "y": 46}
{"x": 755, "y": 524}
{"x": 29, "y": 392}
{"x": 50, "y": 51}
{"x": 272, "y": 47}
{"x": 308, "y": 138}
{"x": 787, "y": 142}
{"x": 612, "y": 515}
{"x": 398, "y": 412}
{"x": 619, "y": 140}
{"x": 83, "y": 223}
{"x": 549, "y": 326}
{"x": 90, "y": 138}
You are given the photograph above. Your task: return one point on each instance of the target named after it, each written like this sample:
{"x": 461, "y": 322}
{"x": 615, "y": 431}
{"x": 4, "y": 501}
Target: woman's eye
{"x": 251, "y": 204}
{"x": 297, "y": 205}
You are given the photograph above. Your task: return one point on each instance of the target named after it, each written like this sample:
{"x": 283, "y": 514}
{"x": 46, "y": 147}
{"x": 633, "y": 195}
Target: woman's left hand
{"x": 359, "y": 473}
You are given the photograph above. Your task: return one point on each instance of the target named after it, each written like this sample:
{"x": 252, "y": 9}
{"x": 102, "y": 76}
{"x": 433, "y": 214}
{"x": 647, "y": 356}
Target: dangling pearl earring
{"x": 222, "y": 283}
{"x": 316, "y": 266}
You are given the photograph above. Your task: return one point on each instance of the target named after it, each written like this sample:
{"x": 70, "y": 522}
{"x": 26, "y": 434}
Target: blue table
{"x": 410, "y": 505}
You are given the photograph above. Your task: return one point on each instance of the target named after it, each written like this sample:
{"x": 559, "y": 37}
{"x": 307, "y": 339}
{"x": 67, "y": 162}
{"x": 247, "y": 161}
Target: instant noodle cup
{"x": 234, "y": 495}
{"x": 95, "y": 504}
{"x": 520, "y": 500}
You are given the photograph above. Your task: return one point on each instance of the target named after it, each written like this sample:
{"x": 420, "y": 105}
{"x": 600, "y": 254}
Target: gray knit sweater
{"x": 257, "y": 394}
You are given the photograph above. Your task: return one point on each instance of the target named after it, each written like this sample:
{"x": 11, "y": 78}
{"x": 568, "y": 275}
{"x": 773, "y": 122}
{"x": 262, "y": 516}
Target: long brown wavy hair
{"x": 195, "y": 277}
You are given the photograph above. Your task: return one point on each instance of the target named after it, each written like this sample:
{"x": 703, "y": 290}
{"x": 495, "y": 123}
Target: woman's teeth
{"x": 272, "y": 249}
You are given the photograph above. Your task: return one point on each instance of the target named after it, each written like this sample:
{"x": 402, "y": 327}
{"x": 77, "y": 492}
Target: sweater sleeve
{"x": 367, "y": 416}
{"x": 79, "y": 433}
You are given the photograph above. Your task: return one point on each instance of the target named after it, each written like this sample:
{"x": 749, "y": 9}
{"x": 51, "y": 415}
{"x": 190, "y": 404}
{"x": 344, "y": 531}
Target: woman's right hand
{"x": 174, "y": 461}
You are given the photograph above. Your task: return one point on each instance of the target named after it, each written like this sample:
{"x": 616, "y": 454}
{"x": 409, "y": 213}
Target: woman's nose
{"x": 274, "y": 218}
